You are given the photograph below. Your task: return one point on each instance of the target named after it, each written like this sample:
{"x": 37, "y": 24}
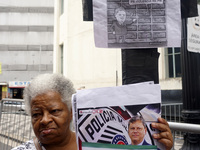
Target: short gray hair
{"x": 49, "y": 82}
{"x": 135, "y": 118}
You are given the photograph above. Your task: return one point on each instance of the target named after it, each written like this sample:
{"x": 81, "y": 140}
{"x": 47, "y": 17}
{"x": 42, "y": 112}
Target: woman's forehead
{"x": 48, "y": 97}
{"x": 47, "y": 94}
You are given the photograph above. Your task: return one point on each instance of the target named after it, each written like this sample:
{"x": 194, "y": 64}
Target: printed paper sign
{"x": 110, "y": 118}
{"x": 137, "y": 23}
{"x": 193, "y": 38}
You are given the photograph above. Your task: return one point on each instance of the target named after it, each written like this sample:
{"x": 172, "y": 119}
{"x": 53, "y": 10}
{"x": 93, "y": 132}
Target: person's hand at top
{"x": 165, "y": 136}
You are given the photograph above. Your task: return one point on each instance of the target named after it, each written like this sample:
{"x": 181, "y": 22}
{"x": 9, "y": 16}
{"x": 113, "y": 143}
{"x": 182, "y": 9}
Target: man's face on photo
{"x": 121, "y": 16}
{"x": 136, "y": 132}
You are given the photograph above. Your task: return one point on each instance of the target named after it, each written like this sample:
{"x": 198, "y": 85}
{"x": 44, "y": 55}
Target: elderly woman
{"x": 48, "y": 101}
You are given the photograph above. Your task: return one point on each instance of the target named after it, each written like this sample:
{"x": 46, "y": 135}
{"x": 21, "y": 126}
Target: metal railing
{"x": 15, "y": 124}
{"x": 183, "y": 128}
{"x": 172, "y": 112}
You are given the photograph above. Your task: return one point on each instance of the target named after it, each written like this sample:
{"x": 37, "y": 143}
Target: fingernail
{"x": 155, "y": 135}
{"x": 153, "y": 124}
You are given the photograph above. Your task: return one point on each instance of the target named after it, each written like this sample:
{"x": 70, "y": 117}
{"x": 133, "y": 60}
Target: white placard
{"x": 101, "y": 115}
{"x": 193, "y": 37}
{"x": 137, "y": 23}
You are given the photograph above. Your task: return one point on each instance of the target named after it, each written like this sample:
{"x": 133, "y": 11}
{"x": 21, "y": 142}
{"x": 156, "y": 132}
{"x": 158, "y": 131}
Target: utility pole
{"x": 191, "y": 90}
{"x": 190, "y": 63}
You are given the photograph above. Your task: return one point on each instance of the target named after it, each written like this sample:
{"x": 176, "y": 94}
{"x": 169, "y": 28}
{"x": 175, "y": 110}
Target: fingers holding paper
{"x": 165, "y": 136}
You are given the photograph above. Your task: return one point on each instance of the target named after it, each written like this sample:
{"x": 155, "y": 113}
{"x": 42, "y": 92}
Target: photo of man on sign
{"x": 137, "y": 130}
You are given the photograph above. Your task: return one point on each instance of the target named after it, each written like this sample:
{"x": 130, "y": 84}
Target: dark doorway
{"x": 18, "y": 93}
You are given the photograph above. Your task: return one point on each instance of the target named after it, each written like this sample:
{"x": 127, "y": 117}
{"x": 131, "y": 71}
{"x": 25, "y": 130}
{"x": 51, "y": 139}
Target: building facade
{"x": 26, "y": 43}
{"x": 76, "y": 56}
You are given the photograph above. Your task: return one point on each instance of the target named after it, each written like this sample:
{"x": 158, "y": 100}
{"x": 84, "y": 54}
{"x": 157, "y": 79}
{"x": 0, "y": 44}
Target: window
{"x": 61, "y": 59}
{"x": 174, "y": 62}
{"x": 61, "y": 7}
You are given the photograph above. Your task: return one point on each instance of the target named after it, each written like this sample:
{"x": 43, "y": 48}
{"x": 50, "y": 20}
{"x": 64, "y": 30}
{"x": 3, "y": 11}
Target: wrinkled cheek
{"x": 35, "y": 128}
{"x": 67, "y": 125}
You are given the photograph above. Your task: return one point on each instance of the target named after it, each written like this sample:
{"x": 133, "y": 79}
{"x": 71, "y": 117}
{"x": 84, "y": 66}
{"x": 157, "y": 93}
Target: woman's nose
{"x": 46, "y": 118}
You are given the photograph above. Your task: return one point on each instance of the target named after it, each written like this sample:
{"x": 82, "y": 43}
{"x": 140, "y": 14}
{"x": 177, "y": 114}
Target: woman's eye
{"x": 55, "y": 111}
{"x": 35, "y": 115}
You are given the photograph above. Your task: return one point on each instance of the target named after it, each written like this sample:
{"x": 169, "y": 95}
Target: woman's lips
{"x": 46, "y": 131}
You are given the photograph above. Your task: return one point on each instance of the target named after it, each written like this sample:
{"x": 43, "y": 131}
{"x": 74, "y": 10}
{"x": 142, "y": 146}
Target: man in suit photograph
{"x": 137, "y": 130}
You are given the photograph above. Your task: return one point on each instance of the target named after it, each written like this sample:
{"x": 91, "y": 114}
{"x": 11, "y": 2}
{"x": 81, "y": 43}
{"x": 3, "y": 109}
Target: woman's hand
{"x": 165, "y": 136}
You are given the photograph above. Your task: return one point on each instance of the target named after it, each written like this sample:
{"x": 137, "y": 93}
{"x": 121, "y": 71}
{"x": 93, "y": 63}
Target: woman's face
{"x": 50, "y": 118}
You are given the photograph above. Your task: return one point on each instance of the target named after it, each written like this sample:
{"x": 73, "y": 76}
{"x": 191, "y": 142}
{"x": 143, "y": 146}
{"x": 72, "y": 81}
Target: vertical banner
{"x": 193, "y": 28}
{"x": 0, "y": 68}
{"x": 137, "y": 23}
